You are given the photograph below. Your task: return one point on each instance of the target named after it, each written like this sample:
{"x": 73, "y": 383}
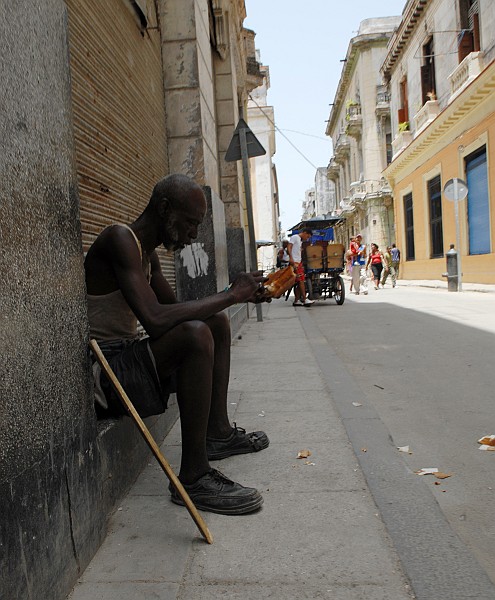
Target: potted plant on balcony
{"x": 403, "y": 137}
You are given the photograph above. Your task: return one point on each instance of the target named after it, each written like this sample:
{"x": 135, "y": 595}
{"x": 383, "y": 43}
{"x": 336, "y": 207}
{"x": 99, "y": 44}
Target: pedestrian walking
{"x": 295, "y": 259}
{"x": 283, "y": 255}
{"x": 358, "y": 266}
{"x": 387, "y": 263}
{"x": 348, "y": 260}
{"x": 395, "y": 252}
{"x": 375, "y": 260}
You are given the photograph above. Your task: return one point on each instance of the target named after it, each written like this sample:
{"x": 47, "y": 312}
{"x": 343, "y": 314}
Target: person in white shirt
{"x": 295, "y": 259}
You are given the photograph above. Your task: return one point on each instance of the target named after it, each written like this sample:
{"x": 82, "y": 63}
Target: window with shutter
{"x": 436, "y": 227}
{"x": 477, "y": 204}
{"x": 409, "y": 226}
{"x": 428, "y": 71}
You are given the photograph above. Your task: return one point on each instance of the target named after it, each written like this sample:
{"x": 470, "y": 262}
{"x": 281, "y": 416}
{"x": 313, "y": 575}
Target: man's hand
{"x": 248, "y": 287}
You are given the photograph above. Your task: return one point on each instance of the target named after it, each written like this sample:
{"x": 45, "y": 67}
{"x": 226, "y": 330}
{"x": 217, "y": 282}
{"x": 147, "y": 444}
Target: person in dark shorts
{"x": 375, "y": 260}
{"x": 187, "y": 346}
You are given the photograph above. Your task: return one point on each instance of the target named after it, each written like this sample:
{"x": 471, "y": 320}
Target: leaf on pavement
{"x": 304, "y": 453}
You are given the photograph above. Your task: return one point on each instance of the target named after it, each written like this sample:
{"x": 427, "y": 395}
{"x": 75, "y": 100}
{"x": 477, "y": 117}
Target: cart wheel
{"x": 309, "y": 288}
{"x": 339, "y": 290}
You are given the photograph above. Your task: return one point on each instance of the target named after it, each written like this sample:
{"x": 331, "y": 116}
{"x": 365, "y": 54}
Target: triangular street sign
{"x": 254, "y": 148}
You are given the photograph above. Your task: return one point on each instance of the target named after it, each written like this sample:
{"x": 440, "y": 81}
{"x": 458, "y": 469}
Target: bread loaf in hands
{"x": 279, "y": 282}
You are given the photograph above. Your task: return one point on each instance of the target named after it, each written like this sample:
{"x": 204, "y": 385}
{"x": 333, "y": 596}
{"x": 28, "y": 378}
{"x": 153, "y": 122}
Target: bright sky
{"x": 303, "y": 43}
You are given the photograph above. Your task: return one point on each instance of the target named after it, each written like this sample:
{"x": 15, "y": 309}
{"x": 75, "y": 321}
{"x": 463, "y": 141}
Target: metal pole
{"x": 249, "y": 207}
{"x": 457, "y": 235}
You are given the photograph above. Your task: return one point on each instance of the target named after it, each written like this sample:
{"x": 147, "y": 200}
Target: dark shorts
{"x": 133, "y": 364}
{"x": 377, "y": 269}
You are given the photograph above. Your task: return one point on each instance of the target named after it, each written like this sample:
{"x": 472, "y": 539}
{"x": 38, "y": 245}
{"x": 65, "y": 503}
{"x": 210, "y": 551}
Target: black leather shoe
{"x": 217, "y": 494}
{"x": 239, "y": 442}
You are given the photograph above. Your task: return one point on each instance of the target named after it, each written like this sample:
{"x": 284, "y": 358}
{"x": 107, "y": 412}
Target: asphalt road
{"x": 421, "y": 361}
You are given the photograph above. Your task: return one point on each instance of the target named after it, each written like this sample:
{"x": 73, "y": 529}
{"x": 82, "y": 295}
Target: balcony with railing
{"x": 342, "y": 148}
{"x": 346, "y": 205}
{"x": 425, "y": 115}
{"x": 401, "y": 141}
{"x": 382, "y": 108}
{"x": 369, "y": 188}
{"x": 358, "y": 191}
{"x": 333, "y": 169}
{"x": 465, "y": 72}
{"x": 354, "y": 120}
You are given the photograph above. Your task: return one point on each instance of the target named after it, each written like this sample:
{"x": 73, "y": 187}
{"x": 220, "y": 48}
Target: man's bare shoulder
{"x": 114, "y": 247}
{"x": 113, "y": 241}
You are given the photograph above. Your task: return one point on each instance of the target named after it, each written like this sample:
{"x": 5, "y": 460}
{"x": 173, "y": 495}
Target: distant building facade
{"x": 320, "y": 199}
{"x": 360, "y": 128}
{"x": 264, "y": 187}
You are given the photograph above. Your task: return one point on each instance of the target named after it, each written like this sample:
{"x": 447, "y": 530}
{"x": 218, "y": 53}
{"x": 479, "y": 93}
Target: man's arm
{"x": 289, "y": 252}
{"x": 163, "y": 290}
{"x": 155, "y": 317}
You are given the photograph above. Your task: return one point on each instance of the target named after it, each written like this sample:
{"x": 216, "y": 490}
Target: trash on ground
{"x": 364, "y": 449}
{"x": 261, "y": 414}
{"x": 308, "y": 462}
{"x": 442, "y": 475}
{"x": 487, "y": 443}
{"x": 357, "y": 404}
{"x": 378, "y": 386}
{"x": 427, "y": 471}
{"x": 304, "y": 453}
{"x": 433, "y": 471}
{"x": 404, "y": 449}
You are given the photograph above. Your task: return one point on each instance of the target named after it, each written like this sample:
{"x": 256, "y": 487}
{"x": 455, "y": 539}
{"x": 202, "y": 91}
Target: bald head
{"x": 175, "y": 190}
{"x": 176, "y": 209}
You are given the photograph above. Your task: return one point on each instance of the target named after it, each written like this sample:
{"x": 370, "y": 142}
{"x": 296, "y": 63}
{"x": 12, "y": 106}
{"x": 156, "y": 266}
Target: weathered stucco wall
{"x": 60, "y": 472}
{"x": 46, "y": 432}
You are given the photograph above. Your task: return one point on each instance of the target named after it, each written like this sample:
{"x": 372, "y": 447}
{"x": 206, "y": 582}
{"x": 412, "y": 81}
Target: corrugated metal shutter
{"x": 119, "y": 116}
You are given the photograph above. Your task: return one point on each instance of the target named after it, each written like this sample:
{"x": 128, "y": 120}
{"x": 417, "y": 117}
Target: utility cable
{"x": 283, "y": 134}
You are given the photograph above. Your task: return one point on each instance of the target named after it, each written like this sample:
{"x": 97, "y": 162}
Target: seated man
{"x": 189, "y": 341}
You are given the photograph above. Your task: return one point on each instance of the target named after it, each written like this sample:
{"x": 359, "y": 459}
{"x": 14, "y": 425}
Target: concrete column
{"x": 189, "y": 90}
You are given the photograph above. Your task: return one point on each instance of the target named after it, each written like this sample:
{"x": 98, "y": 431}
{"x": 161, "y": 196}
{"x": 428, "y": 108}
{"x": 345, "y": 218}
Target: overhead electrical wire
{"x": 283, "y": 134}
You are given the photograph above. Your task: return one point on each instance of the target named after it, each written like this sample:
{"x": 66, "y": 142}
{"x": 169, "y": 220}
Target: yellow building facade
{"x": 447, "y": 131}
{"x": 461, "y": 132}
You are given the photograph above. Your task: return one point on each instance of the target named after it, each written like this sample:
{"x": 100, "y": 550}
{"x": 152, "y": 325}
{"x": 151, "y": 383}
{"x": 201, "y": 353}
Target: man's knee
{"x": 219, "y": 325}
{"x": 197, "y": 336}
{"x": 184, "y": 339}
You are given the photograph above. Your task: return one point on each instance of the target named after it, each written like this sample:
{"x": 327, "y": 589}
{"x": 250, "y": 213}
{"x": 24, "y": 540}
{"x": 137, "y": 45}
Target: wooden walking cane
{"x": 174, "y": 480}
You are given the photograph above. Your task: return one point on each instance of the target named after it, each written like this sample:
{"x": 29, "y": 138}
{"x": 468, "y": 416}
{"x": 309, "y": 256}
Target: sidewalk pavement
{"x": 318, "y": 535}
{"x": 440, "y": 284}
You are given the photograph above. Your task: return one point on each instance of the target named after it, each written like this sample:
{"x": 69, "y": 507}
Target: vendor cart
{"x": 324, "y": 263}
{"x": 323, "y": 259}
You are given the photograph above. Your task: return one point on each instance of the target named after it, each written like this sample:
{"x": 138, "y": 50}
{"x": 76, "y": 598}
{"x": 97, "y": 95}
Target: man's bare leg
{"x": 188, "y": 349}
{"x": 218, "y": 423}
{"x": 222, "y": 439}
